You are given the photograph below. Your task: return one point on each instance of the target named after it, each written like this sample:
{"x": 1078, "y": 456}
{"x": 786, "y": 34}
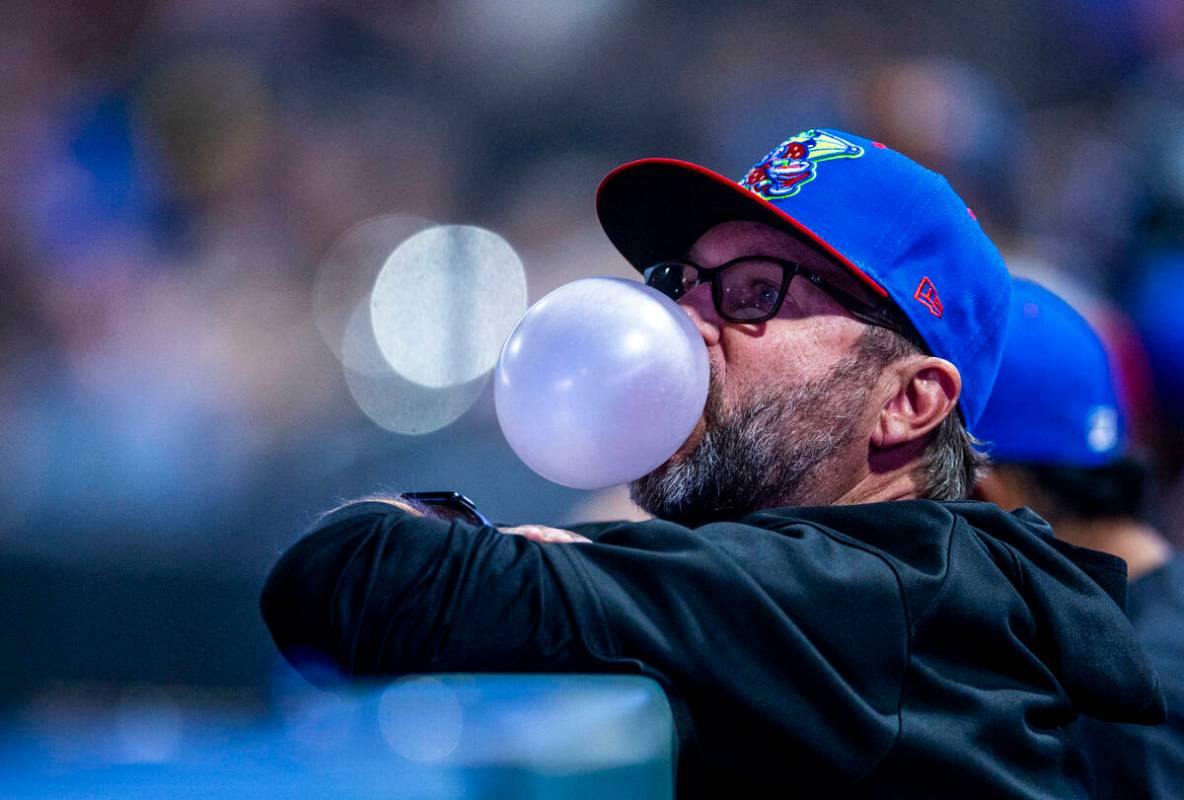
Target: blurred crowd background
{"x": 188, "y": 183}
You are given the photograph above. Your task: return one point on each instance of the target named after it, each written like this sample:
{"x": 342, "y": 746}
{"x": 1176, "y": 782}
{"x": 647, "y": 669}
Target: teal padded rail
{"x": 526, "y": 737}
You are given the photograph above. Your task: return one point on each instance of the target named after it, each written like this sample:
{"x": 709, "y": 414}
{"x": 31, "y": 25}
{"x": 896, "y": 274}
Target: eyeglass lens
{"x": 748, "y": 290}
{"x": 751, "y": 289}
{"x": 672, "y": 279}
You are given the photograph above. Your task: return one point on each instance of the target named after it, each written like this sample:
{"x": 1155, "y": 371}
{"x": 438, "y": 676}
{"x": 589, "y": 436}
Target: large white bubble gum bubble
{"x": 601, "y": 382}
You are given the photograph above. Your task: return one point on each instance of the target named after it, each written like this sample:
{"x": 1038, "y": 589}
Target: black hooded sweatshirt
{"x": 902, "y": 649}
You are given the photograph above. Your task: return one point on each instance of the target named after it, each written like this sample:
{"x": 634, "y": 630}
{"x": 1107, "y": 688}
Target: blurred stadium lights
{"x": 417, "y": 314}
{"x": 445, "y": 302}
{"x": 322, "y": 721}
{"x": 345, "y": 279}
{"x": 391, "y": 401}
{"x": 421, "y": 718}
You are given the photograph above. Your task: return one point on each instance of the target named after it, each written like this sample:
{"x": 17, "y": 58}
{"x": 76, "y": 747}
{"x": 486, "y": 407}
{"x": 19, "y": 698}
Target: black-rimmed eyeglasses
{"x": 751, "y": 289}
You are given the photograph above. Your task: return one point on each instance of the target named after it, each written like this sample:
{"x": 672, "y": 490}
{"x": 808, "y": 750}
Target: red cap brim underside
{"x": 656, "y": 208}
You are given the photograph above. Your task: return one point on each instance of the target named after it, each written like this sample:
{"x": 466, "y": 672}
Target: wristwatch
{"x": 454, "y": 505}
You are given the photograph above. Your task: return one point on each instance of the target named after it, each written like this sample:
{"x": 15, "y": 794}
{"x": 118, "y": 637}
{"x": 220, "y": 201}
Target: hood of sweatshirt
{"x": 1076, "y": 597}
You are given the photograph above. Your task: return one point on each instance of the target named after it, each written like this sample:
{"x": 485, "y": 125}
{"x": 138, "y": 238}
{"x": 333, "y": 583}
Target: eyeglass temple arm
{"x": 866, "y": 311}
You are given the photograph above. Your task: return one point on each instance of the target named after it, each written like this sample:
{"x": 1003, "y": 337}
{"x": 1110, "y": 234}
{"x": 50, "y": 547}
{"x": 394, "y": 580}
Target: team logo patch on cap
{"x": 927, "y": 296}
{"x": 792, "y": 164}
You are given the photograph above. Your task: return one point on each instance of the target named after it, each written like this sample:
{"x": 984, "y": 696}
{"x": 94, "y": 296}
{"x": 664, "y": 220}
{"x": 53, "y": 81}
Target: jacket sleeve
{"x": 783, "y": 652}
{"x": 768, "y": 656}
{"x": 378, "y": 591}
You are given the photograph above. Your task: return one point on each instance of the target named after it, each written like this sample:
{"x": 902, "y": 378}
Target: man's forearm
{"x": 335, "y": 582}
{"x": 392, "y": 592}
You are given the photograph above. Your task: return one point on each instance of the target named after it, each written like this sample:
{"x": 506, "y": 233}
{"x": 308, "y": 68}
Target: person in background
{"x": 1057, "y": 434}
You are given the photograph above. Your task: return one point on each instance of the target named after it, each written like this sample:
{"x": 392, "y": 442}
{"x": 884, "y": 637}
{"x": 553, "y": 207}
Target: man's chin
{"x": 662, "y": 491}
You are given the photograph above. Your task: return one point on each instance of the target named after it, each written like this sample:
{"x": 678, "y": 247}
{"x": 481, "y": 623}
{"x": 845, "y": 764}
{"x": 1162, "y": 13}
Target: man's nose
{"x": 701, "y": 309}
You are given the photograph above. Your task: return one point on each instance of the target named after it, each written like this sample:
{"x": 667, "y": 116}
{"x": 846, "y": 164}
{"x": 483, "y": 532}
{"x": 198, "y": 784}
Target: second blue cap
{"x": 1054, "y": 401}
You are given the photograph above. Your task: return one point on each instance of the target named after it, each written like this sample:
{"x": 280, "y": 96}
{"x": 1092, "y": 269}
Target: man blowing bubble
{"x": 824, "y": 609}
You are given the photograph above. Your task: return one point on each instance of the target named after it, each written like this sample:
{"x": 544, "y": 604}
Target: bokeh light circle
{"x": 421, "y": 719}
{"x": 148, "y": 727}
{"x": 391, "y": 401}
{"x": 444, "y": 303}
{"x": 345, "y": 278}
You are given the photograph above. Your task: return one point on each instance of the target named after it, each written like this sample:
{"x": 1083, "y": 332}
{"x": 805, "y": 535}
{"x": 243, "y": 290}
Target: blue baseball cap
{"x": 897, "y": 226}
{"x": 1055, "y": 401}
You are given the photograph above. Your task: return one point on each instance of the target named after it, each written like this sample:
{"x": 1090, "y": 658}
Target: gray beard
{"x": 763, "y": 455}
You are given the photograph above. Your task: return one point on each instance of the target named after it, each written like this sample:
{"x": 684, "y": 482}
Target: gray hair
{"x": 952, "y": 464}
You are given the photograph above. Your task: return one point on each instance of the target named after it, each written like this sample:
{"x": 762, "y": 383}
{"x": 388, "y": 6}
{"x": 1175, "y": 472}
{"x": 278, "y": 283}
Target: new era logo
{"x": 927, "y": 294}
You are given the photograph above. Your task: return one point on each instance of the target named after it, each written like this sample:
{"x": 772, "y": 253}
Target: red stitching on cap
{"x": 927, "y": 295}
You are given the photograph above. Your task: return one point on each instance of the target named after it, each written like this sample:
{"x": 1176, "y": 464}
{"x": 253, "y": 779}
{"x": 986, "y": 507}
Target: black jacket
{"x": 1133, "y": 762}
{"x": 903, "y": 649}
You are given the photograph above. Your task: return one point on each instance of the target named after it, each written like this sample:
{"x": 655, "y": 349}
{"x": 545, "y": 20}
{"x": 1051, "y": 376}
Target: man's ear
{"x": 923, "y": 392}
